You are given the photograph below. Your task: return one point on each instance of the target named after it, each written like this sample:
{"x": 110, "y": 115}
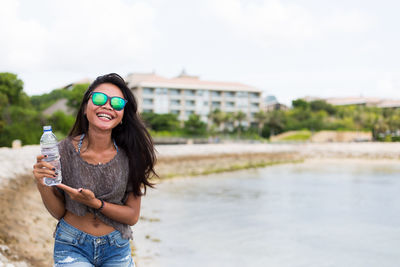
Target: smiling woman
{"x": 106, "y": 164}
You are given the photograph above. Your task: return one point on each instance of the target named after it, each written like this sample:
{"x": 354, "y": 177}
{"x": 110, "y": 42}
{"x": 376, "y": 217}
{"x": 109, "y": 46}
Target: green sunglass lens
{"x": 117, "y": 103}
{"x": 99, "y": 99}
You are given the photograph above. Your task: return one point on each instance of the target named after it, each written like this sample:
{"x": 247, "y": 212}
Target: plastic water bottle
{"x": 48, "y": 146}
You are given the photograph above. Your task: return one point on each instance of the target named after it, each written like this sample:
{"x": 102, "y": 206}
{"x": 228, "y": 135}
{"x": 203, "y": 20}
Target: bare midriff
{"x": 88, "y": 224}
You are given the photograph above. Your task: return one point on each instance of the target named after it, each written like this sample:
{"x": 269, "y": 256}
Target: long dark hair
{"x": 132, "y": 136}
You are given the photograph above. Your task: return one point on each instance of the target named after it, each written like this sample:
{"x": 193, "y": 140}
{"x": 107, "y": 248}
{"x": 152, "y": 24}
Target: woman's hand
{"x": 128, "y": 213}
{"x": 43, "y": 169}
{"x": 52, "y": 200}
{"x": 84, "y": 196}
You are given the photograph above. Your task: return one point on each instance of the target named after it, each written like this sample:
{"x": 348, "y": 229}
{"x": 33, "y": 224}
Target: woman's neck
{"x": 99, "y": 141}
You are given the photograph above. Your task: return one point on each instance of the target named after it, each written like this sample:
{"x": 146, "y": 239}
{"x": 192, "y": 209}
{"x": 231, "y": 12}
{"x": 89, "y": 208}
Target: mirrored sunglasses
{"x": 116, "y": 102}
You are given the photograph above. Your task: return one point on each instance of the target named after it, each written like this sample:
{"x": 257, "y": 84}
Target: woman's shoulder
{"x": 68, "y": 143}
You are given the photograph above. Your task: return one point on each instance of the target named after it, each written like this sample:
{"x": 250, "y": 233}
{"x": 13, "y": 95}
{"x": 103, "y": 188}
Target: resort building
{"x": 186, "y": 95}
{"x": 271, "y": 103}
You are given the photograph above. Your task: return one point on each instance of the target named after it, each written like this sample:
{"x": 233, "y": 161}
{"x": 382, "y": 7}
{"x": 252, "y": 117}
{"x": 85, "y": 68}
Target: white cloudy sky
{"x": 286, "y": 48}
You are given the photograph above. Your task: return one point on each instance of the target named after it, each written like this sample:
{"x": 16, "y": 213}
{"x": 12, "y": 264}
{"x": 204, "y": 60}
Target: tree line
{"x": 22, "y": 117}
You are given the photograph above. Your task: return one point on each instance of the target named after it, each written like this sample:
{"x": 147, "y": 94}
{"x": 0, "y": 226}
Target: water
{"x": 310, "y": 214}
{"x": 48, "y": 144}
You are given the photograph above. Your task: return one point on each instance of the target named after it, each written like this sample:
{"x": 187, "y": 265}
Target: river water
{"x": 314, "y": 214}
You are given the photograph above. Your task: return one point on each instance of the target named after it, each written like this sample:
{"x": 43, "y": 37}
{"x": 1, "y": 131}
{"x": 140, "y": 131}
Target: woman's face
{"x": 104, "y": 117}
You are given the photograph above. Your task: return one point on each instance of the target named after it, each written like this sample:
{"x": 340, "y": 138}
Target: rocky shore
{"x": 26, "y": 227}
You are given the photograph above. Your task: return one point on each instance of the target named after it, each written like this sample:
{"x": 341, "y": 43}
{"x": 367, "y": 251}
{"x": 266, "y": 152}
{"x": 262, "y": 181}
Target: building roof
{"x": 59, "y": 105}
{"x": 81, "y": 81}
{"x": 389, "y": 104}
{"x": 184, "y": 81}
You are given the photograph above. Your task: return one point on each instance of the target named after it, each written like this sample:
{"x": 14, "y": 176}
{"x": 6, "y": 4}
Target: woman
{"x": 107, "y": 160}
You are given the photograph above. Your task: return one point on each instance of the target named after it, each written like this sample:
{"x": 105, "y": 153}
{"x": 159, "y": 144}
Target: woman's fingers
{"x": 39, "y": 158}
{"x": 69, "y": 190}
{"x": 84, "y": 196}
{"x": 44, "y": 164}
{"x": 42, "y": 169}
{"x": 86, "y": 193}
{"x": 45, "y": 173}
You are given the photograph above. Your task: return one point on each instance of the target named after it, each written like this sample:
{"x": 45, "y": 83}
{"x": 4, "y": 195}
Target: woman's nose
{"x": 108, "y": 104}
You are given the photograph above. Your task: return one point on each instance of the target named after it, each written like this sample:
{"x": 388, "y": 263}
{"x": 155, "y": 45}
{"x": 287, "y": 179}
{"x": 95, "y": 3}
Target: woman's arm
{"x": 52, "y": 199}
{"x": 128, "y": 213}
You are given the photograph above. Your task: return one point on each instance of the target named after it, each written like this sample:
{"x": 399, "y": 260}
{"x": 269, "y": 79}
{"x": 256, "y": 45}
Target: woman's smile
{"x": 105, "y": 116}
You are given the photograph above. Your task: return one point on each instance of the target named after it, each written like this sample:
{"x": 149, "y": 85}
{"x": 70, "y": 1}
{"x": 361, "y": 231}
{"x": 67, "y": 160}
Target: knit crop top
{"x": 109, "y": 182}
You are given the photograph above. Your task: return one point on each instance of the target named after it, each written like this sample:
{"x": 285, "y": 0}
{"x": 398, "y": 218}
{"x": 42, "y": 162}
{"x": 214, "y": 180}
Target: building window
{"x": 200, "y": 92}
{"x": 190, "y": 92}
{"x": 175, "y": 102}
{"x": 216, "y": 93}
{"x": 230, "y": 104}
{"x": 254, "y": 95}
{"x": 147, "y": 101}
{"x": 189, "y": 103}
{"x": 148, "y": 91}
{"x": 174, "y": 91}
{"x": 205, "y": 103}
{"x": 175, "y": 111}
{"x": 161, "y": 91}
{"x": 230, "y": 94}
{"x": 254, "y": 105}
{"x": 189, "y": 112}
{"x": 241, "y": 94}
{"x": 216, "y": 104}
{"x": 147, "y": 110}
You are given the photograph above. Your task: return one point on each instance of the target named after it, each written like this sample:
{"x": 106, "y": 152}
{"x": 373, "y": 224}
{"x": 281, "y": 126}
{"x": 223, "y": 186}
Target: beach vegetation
{"x": 161, "y": 122}
{"x": 18, "y": 118}
{"x": 22, "y": 117}
{"x": 194, "y": 126}
{"x": 75, "y": 94}
{"x": 302, "y": 135}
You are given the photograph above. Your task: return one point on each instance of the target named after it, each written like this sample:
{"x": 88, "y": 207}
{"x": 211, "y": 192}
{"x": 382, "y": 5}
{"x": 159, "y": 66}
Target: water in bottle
{"x": 48, "y": 146}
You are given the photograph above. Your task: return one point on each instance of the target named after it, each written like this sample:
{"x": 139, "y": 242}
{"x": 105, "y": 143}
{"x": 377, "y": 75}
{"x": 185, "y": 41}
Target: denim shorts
{"x": 74, "y": 248}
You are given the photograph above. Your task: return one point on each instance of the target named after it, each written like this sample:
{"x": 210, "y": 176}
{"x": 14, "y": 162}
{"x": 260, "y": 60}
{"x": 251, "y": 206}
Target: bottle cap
{"x": 47, "y": 128}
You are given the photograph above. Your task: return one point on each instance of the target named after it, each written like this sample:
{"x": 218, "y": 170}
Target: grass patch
{"x": 231, "y": 168}
{"x": 298, "y": 136}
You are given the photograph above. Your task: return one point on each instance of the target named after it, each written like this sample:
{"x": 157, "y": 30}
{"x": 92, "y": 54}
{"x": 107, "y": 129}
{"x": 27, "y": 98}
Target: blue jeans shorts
{"x": 74, "y": 248}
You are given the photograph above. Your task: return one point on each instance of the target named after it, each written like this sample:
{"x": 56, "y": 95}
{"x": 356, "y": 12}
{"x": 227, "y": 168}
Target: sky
{"x": 289, "y": 49}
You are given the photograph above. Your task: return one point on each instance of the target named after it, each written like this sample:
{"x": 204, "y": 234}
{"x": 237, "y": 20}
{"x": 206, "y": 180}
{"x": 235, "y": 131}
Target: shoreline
{"x": 26, "y": 227}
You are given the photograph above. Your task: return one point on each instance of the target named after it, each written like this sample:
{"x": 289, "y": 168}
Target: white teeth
{"x": 102, "y": 115}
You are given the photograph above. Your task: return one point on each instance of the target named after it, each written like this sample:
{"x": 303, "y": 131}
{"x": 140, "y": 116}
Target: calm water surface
{"x": 313, "y": 214}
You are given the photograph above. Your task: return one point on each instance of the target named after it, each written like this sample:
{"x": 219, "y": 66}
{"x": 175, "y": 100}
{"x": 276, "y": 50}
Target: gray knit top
{"x": 108, "y": 182}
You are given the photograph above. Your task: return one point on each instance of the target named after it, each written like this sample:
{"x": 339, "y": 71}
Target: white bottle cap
{"x": 47, "y": 128}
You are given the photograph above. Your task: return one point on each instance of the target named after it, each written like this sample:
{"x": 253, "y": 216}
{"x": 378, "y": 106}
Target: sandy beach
{"x": 26, "y": 227}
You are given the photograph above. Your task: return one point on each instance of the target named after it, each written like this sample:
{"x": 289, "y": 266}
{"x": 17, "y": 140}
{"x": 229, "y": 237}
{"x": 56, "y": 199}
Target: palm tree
{"x": 239, "y": 117}
{"x": 229, "y": 119}
{"x": 261, "y": 118}
{"x": 217, "y": 117}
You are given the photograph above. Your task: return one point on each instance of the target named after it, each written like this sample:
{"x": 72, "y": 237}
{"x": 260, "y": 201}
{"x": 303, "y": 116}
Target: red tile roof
{"x": 184, "y": 82}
